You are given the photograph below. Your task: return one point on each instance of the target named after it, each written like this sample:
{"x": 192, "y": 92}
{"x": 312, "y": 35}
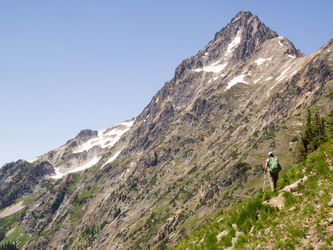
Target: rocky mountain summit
{"x": 85, "y": 150}
{"x": 197, "y": 147}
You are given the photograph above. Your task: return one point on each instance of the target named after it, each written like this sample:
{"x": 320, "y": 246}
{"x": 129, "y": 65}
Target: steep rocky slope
{"x": 20, "y": 179}
{"x": 298, "y": 216}
{"x": 197, "y": 146}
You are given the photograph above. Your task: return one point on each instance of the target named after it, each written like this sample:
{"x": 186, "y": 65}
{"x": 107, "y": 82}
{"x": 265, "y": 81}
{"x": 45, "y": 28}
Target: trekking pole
{"x": 263, "y": 188}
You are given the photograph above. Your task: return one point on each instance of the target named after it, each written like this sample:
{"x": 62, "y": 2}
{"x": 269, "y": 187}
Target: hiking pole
{"x": 265, "y": 170}
{"x": 263, "y": 188}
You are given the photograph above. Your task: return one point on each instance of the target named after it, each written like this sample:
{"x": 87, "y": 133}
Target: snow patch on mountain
{"x": 262, "y": 60}
{"x": 32, "y": 161}
{"x": 112, "y": 158}
{"x": 219, "y": 65}
{"x": 233, "y": 45}
{"x": 215, "y": 67}
{"x": 282, "y": 75}
{"x": 132, "y": 165}
{"x": 82, "y": 155}
{"x": 106, "y": 138}
{"x": 237, "y": 79}
{"x": 281, "y": 44}
{"x": 89, "y": 164}
{"x": 256, "y": 81}
{"x": 295, "y": 72}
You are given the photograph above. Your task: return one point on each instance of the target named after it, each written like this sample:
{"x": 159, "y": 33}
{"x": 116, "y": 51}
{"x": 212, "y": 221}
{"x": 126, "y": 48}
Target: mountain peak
{"x": 249, "y": 28}
{"x": 233, "y": 44}
{"x": 87, "y": 133}
{"x": 245, "y": 14}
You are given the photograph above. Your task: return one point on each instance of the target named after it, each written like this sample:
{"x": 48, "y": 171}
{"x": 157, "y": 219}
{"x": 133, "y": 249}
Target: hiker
{"x": 273, "y": 167}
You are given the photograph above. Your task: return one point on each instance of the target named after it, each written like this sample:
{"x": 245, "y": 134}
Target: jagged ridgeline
{"x": 197, "y": 148}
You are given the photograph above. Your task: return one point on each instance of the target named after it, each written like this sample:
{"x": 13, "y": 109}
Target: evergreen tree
{"x": 307, "y": 135}
{"x": 330, "y": 122}
{"x": 9, "y": 246}
{"x": 2, "y": 235}
{"x": 323, "y": 131}
{"x": 314, "y": 133}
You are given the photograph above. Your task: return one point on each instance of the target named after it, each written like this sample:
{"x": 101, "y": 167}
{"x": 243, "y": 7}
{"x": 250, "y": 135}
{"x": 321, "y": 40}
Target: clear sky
{"x": 71, "y": 65}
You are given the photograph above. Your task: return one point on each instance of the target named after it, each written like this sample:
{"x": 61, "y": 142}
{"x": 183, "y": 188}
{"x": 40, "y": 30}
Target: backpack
{"x": 274, "y": 165}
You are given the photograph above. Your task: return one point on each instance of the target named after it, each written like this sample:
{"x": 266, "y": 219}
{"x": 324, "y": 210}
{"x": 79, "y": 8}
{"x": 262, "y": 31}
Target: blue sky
{"x": 71, "y": 65}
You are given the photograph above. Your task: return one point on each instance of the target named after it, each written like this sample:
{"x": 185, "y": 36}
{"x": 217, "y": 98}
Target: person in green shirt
{"x": 273, "y": 167}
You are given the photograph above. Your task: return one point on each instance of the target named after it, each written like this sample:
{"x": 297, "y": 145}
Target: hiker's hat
{"x": 270, "y": 153}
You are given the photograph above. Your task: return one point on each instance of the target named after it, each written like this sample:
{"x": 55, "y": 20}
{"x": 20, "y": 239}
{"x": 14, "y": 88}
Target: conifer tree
{"x": 2, "y": 235}
{"x": 314, "y": 133}
{"x": 330, "y": 122}
{"x": 307, "y": 135}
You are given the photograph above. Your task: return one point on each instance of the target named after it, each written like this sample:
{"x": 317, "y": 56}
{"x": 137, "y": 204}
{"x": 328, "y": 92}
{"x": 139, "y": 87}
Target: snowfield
{"x": 234, "y": 43}
{"x": 282, "y": 74}
{"x": 237, "y": 79}
{"x": 262, "y": 60}
{"x": 106, "y": 138}
{"x": 214, "y": 67}
{"x": 219, "y": 65}
{"x": 81, "y": 168}
{"x": 112, "y": 158}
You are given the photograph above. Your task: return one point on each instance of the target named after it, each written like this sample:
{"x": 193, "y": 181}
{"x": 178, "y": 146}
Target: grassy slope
{"x": 305, "y": 221}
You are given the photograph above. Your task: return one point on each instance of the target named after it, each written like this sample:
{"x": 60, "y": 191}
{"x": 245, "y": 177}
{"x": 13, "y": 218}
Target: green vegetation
{"x": 26, "y": 201}
{"x": 16, "y": 238}
{"x": 89, "y": 233}
{"x": 79, "y": 200}
{"x": 9, "y": 246}
{"x": 9, "y": 222}
{"x": 314, "y": 134}
{"x": 305, "y": 216}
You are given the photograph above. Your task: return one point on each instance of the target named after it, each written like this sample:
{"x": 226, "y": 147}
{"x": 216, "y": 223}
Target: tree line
{"x": 9, "y": 246}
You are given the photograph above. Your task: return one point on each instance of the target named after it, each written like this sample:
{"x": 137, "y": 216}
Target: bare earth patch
{"x": 11, "y": 209}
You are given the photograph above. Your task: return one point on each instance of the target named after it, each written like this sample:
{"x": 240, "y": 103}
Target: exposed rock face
{"x": 201, "y": 139}
{"x": 238, "y": 52}
{"x": 20, "y": 179}
{"x": 87, "y": 134}
{"x": 246, "y": 27}
{"x": 41, "y": 169}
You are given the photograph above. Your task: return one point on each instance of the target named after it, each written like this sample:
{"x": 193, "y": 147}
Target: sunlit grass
{"x": 251, "y": 224}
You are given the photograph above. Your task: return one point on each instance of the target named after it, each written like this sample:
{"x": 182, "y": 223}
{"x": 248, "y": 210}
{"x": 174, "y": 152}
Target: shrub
{"x": 290, "y": 199}
{"x": 241, "y": 240}
{"x": 295, "y": 139}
